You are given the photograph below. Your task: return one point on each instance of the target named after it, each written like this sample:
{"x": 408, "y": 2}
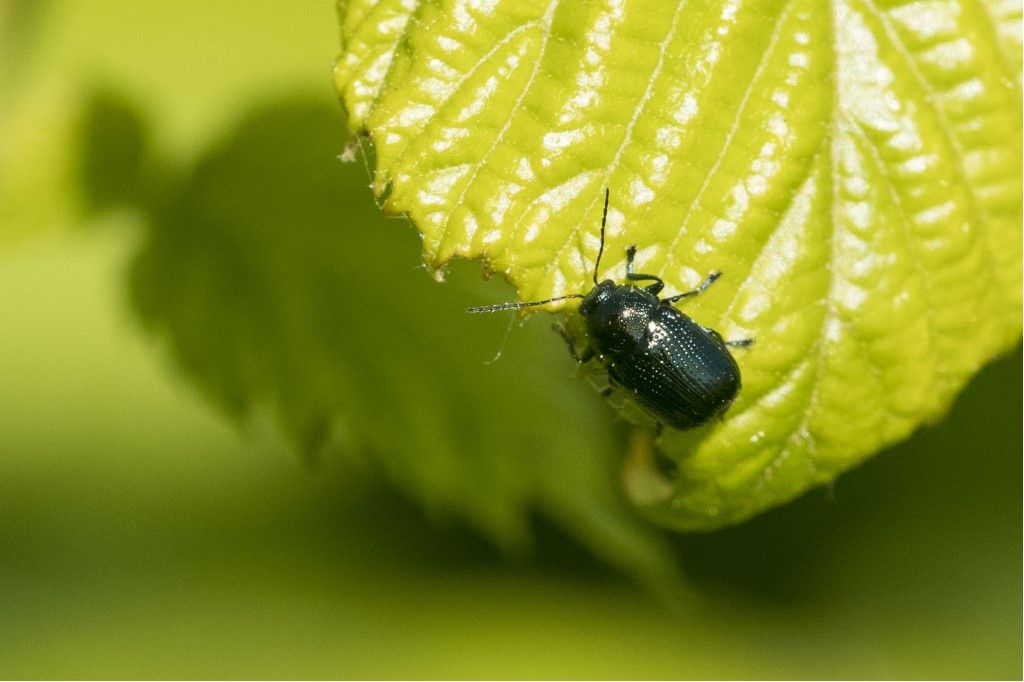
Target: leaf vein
{"x": 671, "y": 256}
{"x": 945, "y": 126}
{"x": 547, "y": 19}
{"x": 628, "y": 136}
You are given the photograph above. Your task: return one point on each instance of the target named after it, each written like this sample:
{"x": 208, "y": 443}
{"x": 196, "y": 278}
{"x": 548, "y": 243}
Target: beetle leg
{"x": 740, "y": 343}
{"x": 635, "y": 276}
{"x": 588, "y": 354}
{"x": 708, "y": 281}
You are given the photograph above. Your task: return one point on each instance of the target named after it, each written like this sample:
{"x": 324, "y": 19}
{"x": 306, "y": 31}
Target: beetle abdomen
{"x": 683, "y": 373}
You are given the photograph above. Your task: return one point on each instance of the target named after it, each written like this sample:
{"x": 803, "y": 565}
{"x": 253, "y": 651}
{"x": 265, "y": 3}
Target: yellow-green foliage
{"x": 853, "y": 167}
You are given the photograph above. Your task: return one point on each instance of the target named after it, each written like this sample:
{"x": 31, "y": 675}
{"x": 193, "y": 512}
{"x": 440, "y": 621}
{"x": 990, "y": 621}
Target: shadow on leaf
{"x": 279, "y": 285}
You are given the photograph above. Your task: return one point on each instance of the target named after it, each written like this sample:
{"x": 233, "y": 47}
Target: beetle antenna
{"x": 516, "y": 305}
{"x": 519, "y": 304}
{"x": 604, "y": 219}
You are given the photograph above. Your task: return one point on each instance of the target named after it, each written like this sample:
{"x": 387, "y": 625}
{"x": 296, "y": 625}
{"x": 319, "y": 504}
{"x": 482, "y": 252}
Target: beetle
{"x": 680, "y": 372}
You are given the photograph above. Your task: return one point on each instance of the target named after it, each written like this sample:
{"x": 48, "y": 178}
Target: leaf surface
{"x": 853, "y": 167}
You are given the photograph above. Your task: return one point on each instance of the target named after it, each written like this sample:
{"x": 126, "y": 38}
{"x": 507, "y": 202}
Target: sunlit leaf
{"x": 853, "y": 167}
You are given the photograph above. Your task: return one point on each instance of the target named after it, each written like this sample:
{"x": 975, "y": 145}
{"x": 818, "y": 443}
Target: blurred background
{"x": 244, "y": 434}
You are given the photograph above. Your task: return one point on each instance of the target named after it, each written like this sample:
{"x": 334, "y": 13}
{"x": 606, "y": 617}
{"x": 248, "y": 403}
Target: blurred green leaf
{"x": 20, "y": 23}
{"x": 137, "y": 524}
{"x": 852, "y": 167}
{"x": 169, "y": 58}
{"x": 37, "y": 192}
{"x": 278, "y": 284}
{"x": 115, "y": 154}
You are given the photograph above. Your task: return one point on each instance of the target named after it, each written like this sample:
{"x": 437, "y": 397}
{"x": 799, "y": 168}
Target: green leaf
{"x": 55, "y": 55}
{"x": 853, "y": 167}
{"x": 279, "y": 287}
{"x": 116, "y": 164}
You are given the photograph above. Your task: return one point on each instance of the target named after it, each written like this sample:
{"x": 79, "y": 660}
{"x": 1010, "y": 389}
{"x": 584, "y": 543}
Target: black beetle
{"x": 679, "y": 371}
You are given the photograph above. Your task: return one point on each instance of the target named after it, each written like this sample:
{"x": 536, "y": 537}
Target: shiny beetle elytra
{"x": 681, "y": 372}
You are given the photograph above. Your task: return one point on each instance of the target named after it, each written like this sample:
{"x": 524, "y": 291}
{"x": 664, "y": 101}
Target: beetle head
{"x": 598, "y": 295}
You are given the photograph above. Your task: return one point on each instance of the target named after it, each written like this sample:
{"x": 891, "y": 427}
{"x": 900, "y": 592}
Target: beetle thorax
{"x": 617, "y": 316}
